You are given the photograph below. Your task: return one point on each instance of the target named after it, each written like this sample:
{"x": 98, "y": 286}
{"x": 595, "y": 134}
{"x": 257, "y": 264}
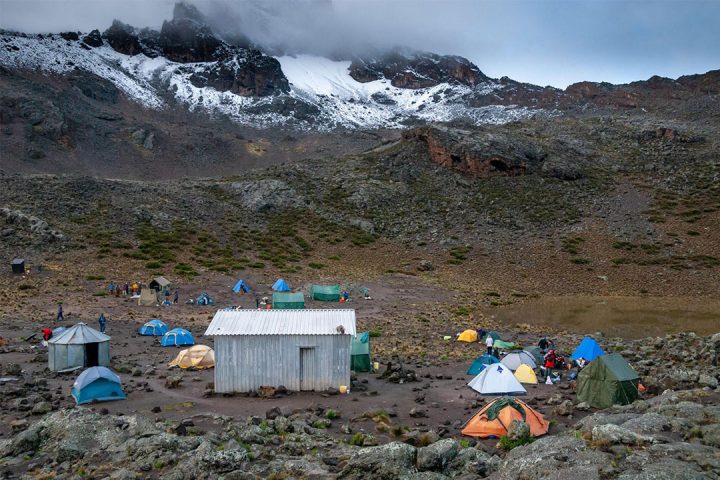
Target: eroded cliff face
{"x": 480, "y": 154}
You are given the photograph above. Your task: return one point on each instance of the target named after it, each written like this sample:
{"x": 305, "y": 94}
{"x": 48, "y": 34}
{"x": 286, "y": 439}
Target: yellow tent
{"x": 197, "y": 356}
{"x": 525, "y": 374}
{"x": 468, "y": 336}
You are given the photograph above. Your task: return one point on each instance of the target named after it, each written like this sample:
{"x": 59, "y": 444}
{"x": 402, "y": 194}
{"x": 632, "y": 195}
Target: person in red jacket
{"x": 550, "y": 358}
{"x": 47, "y": 334}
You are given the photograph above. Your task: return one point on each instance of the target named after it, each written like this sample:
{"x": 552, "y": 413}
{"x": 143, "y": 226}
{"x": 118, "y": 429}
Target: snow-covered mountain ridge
{"x": 322, "y": 93}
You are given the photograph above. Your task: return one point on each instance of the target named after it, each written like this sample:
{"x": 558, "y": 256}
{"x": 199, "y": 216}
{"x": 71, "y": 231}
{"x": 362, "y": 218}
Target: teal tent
{"x": 480, "y": 363}
{"x": 588, "y": 349}
{"x": 97, "y": 384}
{"x": 360, "y": 353}
{"x": 205, "y": 299}
{"x": 495, "y": 336}
{"x": 241, "y": 286}
{"x": 288, "y": 301}
{"x": 325, "y": 293}
{"x": 281, "y": 286}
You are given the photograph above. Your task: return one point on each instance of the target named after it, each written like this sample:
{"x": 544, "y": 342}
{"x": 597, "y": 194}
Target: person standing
{"x": 176, "y": 297}
{"x": 489, "y": 344}
{"x": 60, "y": 317}
{"x": 549, "y": 363}
{"x": 102, "y": 321}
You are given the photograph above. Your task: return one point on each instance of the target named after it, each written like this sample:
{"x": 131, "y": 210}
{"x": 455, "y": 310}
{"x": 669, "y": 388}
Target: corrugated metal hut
{"x": 299, "y": 349}
{"x": 78, "y": 346}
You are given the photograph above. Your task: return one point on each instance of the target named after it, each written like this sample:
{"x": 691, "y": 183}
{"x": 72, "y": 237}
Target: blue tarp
{"x": 280, "y": 286}
{"x": 97, "y": 384}
{"x": 480, "y": 363}
{"x": 588, "y": 349}
{"x": 177, "y": 337}
{"x": 154, "y": 327}
{"x": 241, "y": 285}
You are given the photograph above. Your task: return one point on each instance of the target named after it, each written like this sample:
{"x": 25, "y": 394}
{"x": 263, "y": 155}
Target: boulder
{"x": 173, "y": 381}
{"x": 565, "y": 408}
{"x": 553, "y": 457}
{"x": 518, "y": 430}
{"x": 437, "y": 456}
{"x": 610, "y": 434}
{"x": 385, "y": 462}
{"x": 41, "y": 408}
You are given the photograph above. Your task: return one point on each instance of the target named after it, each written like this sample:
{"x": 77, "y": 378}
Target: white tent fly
{"x": 497, "y": 379}
{"x": 514, "y": 359}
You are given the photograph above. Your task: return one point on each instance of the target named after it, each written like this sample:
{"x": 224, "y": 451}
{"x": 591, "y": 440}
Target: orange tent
{"x": 495, "y": 418}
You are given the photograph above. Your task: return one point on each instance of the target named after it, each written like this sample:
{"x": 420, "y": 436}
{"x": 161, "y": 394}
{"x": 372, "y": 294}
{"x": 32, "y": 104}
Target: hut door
{"x": 91, "y": 354}
{"x": 307, "y": 368}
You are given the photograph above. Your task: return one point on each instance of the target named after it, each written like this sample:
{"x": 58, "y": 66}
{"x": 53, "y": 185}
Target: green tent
{"x": 360, "y": 353}
{"x": 325, "y": 293}
{"x": 504, "y": 345}
{"x": 606, "y": 381}
{"x": 288, "y": 301}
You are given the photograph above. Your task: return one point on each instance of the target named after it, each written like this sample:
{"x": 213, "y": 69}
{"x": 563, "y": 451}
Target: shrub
{"x": 331, "y": 414}
{"x": 507, "y": 444}
{"x": 25, "y": 286}
{"x": 316, "y": 265}
{"x": 357, "y": 439}
{"x": 580, "y": 260}
{"x": 95, "y": 277}
{"x": 153, "y": 264}
{"x": 376, "y": 332}
{"x": 101, "y": 293}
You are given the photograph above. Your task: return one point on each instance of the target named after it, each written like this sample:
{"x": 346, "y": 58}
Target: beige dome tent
{"x": 197, "y": 356}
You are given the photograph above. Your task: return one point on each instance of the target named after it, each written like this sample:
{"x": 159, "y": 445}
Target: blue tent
{"x": 480, "y": 363}
{"x": 154, "y": 327}
{"x": 588, "y": 349}
{"x": 280, "y": 286}
{"x": 177, "y": 337}
{"x": 241, "y": 285}
{"x": 97, "y": 384}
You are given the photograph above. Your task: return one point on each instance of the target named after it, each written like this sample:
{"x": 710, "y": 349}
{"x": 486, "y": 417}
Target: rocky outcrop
{"x": 93, "y": 39}
{"x": 481, "y": 154}
{"x": 123, "y": 38}
{"x": 247, "y": 73}
{"x": 15, "y": 219}
{"x": 187, "y": 39}
{"x": 417, "y": 70}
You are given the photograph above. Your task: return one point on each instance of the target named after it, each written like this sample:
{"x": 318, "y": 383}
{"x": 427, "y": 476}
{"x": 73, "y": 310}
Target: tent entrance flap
{"x": 91, "y": 355}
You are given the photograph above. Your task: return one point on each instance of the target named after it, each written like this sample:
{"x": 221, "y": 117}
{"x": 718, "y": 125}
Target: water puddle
{"x": 628, "y": 317}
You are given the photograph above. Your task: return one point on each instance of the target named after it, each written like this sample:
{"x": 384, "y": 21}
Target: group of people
{"x": 118, "y": 289}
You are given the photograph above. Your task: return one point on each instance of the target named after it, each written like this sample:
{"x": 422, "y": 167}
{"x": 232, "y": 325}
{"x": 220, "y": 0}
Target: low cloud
{"x": 546, "y": 42}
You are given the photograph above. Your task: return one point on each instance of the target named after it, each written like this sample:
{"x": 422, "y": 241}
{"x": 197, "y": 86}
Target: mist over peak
{"x": 553, "y": 42}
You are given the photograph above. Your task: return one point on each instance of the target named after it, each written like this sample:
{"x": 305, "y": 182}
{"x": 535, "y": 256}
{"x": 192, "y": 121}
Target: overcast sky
{"x": 547, "y": 42}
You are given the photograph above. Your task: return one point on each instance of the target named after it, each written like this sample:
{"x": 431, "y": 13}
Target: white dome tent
{"x": 513, "y": 360}
{"x": 497, "y": 379}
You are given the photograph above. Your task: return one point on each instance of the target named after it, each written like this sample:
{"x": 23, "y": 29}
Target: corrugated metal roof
{"x": 282, "y": 322}
{"x": 79, "y": 334}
